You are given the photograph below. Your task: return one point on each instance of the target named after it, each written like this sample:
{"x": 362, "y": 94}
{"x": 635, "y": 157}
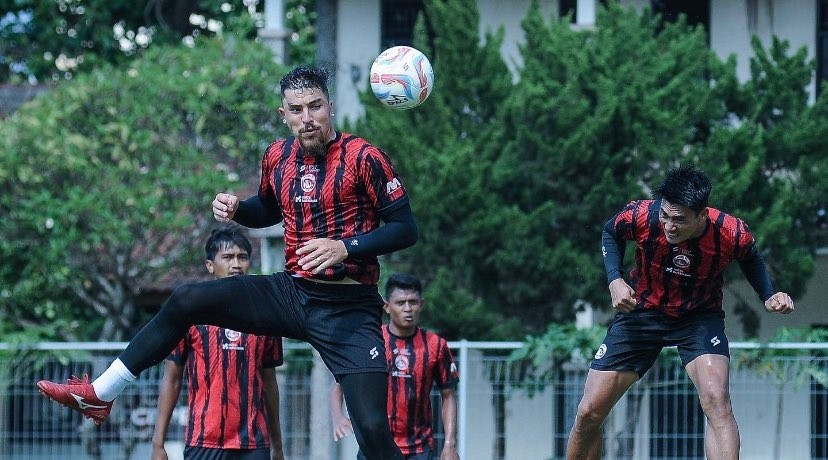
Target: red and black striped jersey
{"x": 416, "y": 364}
{"x": 684, "y": 277}
{"x": 226, "y": 401}
{"x": 338, "y": 196}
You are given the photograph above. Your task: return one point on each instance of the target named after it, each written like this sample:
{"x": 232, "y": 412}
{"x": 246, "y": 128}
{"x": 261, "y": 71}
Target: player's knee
{"x": 374, "y": 424}
{"x": 716, "y": 403}
{"x": 180, "y": 302}
{"x": 590, "y": 416}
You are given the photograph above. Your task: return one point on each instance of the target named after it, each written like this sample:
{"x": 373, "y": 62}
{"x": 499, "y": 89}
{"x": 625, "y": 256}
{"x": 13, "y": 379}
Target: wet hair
{"x": 224, "y": 237}
{"x": 405, "y": 282}
{"x": 686, "y": 186}
{"x": 305, "y": 77}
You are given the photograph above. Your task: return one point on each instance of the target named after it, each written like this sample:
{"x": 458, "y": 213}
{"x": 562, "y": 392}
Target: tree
{"x": 106, "y": 180}
{"x": 512, "y": 182}
{"x": 56, "y": 40}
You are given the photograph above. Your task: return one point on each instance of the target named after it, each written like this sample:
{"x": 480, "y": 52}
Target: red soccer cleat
{"x": 77, "y": 394}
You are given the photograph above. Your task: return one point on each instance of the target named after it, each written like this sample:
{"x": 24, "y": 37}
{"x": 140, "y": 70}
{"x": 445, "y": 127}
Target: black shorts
{"x": 207, "y": 453}
{"x": 635, "y": 339}
{"x": 341, "y": 321}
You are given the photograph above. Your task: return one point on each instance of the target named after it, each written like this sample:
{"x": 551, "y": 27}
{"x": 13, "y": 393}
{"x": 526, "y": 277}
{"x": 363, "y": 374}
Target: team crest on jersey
{"x": 232, "y": 335}
{"x": 681, "y": 261}
{"x": 308, "y": 182}
{"x": 401, "y": 363}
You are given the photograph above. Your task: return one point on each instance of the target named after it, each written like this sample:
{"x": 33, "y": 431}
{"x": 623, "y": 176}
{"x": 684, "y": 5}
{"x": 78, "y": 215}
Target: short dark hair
{"x": 405, "y": 282}
{"x": 306, "y": 77}
{"x": 225, "y": 236}
{"x": 686, "y": 186}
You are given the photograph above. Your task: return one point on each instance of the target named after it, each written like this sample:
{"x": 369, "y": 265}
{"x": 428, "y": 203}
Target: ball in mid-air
{"x": 402, "y": 77}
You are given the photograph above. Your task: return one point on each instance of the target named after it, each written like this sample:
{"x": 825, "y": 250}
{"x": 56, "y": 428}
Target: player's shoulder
{"x": 728, "y": 224}
{"x": 354, "y": 144}
{"x": 281, "y": 147}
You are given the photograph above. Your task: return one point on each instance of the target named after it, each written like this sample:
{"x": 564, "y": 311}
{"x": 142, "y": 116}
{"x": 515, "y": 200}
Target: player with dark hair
{"x": 418, "y": 360}
{"x": 674, "y": 299}
{"x": 333, "y": 191}
{"x": 244, "y": 422}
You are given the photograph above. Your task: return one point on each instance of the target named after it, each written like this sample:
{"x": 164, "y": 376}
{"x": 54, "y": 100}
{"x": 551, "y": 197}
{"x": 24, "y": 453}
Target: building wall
{"x": 733, "y": 23}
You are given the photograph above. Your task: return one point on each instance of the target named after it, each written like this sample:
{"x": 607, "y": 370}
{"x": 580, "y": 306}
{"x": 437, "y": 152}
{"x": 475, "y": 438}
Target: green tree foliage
{"x": 54, "y": 40}
{"x": 437, "y": 148}
{"x": 107, "y": 180}
{"x": 513, "y": 182}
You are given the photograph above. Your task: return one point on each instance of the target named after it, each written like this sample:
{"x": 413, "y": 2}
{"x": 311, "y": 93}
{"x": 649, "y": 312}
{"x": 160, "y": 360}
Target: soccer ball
{"x": 401, "y": 77}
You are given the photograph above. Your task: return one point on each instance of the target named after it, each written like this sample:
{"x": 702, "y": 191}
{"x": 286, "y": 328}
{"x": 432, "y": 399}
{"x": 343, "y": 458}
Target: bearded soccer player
{"x": 418, "y": 360}
{"x": 674, "y": 299}
{"x": 244, "y": 422}
{"x": 342, "y": 204}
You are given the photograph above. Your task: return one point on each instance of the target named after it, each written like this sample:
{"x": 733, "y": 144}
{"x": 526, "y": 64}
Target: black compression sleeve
{"x": 399, "y": 232}
{"x": 254, "y": 213}
{"x": 613, "y": 250}
{"x": 753, "y": 266}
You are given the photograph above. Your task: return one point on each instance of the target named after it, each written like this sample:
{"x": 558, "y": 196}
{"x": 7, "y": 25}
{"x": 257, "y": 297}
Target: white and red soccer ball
{"x": 402, "y": 77}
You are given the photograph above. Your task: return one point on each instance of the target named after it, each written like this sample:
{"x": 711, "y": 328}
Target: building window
{"x": 398, "y": 18}
{"x": 696, "y": 12}
{"x": 568, "y": 7}
{"x": 822, "y": 44}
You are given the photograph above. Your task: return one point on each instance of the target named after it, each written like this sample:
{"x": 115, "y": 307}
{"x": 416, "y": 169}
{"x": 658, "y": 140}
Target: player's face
{"x": 680, "y": 223}
{"x": 230, "y": 260}
{"x": 307, "y": 112}
{"x": 404, "y": 307}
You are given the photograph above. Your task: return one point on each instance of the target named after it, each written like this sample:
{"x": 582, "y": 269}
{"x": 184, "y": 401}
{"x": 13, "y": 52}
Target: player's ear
{"x": 703, "y": 214}
{"x": 210, "y": 267}
{"x": 385, "y": 308}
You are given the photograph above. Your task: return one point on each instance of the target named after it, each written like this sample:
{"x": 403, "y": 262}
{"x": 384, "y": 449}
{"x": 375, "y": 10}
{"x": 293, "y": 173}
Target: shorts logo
{"x": 715, "y": 341}
{"x": 602, "y": 350}
{"x": 374, "y": 353}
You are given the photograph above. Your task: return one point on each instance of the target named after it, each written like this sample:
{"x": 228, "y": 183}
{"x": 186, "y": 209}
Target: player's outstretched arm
{"x": 780, "y": 303}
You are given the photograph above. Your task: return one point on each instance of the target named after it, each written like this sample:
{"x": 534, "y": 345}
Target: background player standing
{"x": 244, "y": 422}
{"x": 418, "y": 360}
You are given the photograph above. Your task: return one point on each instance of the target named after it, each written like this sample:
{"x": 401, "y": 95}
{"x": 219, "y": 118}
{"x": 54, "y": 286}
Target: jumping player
{"x": 674, "y": 298}
{"x": 332, "y": 190}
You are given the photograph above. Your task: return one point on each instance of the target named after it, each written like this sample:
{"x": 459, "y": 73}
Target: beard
{"x": 313, "y": 147}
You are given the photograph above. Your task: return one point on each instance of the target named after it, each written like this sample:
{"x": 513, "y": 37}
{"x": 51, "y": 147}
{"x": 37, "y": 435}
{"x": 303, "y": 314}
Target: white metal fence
{"x": 781, "y": 406}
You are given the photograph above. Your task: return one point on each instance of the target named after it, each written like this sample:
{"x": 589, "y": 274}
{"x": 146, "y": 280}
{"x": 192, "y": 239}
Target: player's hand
{"x": 158, "y": 453}
{"x": 623, "y": 296}
{"x": 780, "y": 303}
{"x": 341, "y": 428}
{"x": 321, "y": 253}
{"x": 224, "y": 207}
{"x": 276, "y": 454}
{"x": 449, "y": 452}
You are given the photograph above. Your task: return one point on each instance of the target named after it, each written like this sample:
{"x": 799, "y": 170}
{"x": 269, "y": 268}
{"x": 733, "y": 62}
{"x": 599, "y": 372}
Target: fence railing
{"x": 780, "y": 403}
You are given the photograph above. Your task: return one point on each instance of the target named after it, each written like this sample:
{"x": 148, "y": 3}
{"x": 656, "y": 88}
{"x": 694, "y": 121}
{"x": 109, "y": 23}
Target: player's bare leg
{"x": 710, "y": 374}
{"x": 601, "y": 391}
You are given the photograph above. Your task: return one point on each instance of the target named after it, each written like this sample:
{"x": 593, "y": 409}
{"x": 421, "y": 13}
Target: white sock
{"x": 113, "y": 381}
